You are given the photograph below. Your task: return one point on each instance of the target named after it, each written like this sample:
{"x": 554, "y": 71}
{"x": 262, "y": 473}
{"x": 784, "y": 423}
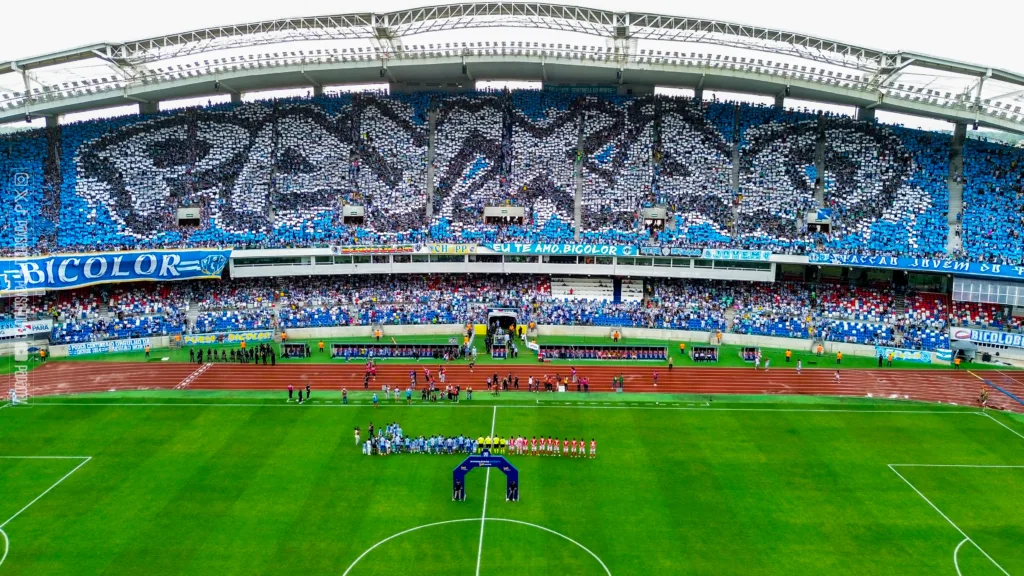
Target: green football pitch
{"x": 243, "y": 483}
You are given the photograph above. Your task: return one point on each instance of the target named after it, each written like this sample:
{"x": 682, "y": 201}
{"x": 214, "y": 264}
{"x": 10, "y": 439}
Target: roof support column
{"x": 780, "y": 101}
{"x": 865, "y": 114}
{"x": 236, "y": 97}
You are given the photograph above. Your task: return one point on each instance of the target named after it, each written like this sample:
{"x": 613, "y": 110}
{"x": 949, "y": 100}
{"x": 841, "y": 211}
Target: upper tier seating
{"x": 583, "y": 288}
{"x": 275, "y": 173}
{"x": 993, "y": 219}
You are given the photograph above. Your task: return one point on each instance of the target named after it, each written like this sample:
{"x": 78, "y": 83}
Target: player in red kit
{"x": 573, "y": 442}
{"x": 593, "y": 448}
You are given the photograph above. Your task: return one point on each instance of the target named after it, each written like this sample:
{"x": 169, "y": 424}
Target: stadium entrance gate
{"x": 485, "y": 460}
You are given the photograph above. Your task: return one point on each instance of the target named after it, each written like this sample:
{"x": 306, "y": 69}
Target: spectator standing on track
{"x": 837, "y": 377}
{"x": 799, "y": 366}
{"x": 983, "y": 397}
{"x": 655, "y": 377}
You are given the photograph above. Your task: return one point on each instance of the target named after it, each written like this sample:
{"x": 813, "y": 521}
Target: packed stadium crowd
{"x": 862, "y": 314}
{"x": 277, "y": 174}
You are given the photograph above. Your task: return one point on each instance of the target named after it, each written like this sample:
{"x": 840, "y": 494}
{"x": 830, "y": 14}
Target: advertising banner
{"x": 922, "y": 356}
{"x": 67, "y": 271}
{"x": 667, "y": 251}
{"x": 374, "y": 249}
{"x": 11, "y": 328}
{"x": 108, "y": 346}
{"x": 227, "y": 337}
{"x": 564, "y": 249}
{"x": 981, "y": 269}
{"x": 745, "y": 255}
{"x": 452, "y": 248}
{"x": 978, "y": 336}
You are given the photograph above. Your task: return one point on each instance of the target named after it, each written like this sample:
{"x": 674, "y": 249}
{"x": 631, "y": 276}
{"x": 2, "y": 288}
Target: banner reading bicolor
{"x": 227, "y": 337}
{"x": 1009, "y": 339}
{"x": 563, "y": 249}
{"x": 982, "y": 269}
{"x": 67, "y": 271}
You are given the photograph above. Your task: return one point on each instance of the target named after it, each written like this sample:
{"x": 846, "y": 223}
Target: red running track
{"x": 923, "y": 385}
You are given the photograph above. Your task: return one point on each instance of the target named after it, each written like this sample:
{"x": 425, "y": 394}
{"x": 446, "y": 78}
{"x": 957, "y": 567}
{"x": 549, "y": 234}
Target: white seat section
{"x": 632, "y": 290}
{"x": 582, "y": 288}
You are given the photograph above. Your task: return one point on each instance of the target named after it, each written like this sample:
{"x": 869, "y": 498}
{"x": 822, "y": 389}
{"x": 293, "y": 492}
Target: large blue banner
{"x": 564, "y": 249}
{"x": 921, "y": 265}
{"x": 66, "y": 271}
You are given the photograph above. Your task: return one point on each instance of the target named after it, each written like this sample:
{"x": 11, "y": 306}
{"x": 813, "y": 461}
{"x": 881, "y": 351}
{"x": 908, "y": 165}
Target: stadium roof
{"x": 450, "y": 44}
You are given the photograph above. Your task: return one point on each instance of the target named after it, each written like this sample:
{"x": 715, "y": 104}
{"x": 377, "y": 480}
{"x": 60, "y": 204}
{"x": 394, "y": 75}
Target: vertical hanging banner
{"x": 67, "y": 271}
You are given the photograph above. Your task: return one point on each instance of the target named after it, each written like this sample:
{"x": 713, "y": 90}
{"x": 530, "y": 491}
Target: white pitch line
{"x": 951, "y": 523}
{"x": 523, "y": 406}
{"x": 483, "y": 515}
{"x": 956, "y": 466}
{"x": 7, "y": 546}
{"x": 991, "y": 417}
{"x": 956, "y": 563}
{"x": 47, "y": 491}
{"x": 7, "y": 542}
{"x": 444, "y": 522}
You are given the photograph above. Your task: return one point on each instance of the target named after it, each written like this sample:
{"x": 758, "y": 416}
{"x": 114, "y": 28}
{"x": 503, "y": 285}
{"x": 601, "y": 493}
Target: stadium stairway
{"x": 954, "y": 242}
{"x": 730, "y": 318}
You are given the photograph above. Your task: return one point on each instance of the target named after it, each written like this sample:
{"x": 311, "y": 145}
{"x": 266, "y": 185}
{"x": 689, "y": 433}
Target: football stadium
{"x": 510, "y": 288}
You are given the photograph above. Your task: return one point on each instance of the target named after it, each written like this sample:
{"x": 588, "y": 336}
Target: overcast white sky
{"x": 938, "y": 27}
{"x": 987, "y": 33}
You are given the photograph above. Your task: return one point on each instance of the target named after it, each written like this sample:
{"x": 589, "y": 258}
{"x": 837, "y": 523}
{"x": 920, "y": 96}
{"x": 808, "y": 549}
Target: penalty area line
{"x": 85, "y": 460}
{"x": 951, "y": 523}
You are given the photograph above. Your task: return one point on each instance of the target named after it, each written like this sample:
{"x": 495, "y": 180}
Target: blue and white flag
{"x": 67, "y": 271}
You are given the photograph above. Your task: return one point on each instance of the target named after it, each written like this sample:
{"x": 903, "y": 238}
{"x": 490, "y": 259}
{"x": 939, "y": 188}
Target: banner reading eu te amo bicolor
{"x": 67, "y": 271}
{"x": 563, "y": 249}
